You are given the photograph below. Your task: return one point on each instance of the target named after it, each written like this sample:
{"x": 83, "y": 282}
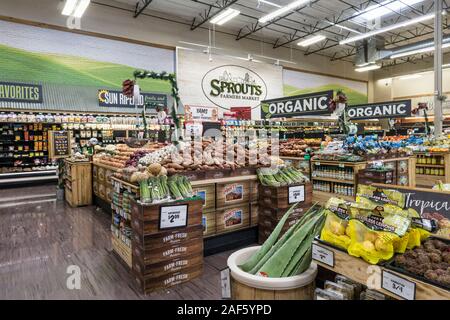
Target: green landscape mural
{"x": 24, "y": 66}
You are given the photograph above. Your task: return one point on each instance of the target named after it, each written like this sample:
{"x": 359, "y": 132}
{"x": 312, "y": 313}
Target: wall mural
{"x": 59, "y": 59}
{"x": 299, "y": 83}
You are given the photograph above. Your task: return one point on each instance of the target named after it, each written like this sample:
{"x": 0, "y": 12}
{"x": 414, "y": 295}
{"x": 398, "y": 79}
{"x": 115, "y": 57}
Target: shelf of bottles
{"x": 429, "y": 164}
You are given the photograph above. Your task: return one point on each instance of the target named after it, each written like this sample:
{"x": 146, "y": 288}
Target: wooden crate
{"x": 254, "y": 186}
{"x": 278, "y": 198}
{"x": 209, "y": 222}
{"x": 229, "y": 194}
{"x": 254, "y": 214}
{"x": 122, "y": 250}
{"x": 150, "y": 284}
{"x": 193, "y": 175}
{"x": 208, "y": 194}
{"x": 155, "y": 270}
{"x": 279, "y": 213}
{"x": 149, "y": 255}
{"x": 167, "y": 238}
{"x": 78, "y": 183}
{"x": 146, "y": 218}
{"x": 233, "y": 218}
{"x": 217, "y": 174}
{"x": 264, "y": 231}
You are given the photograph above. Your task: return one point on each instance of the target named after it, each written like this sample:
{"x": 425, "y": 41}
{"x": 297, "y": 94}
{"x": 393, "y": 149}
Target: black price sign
{"x": 59, "y": 144}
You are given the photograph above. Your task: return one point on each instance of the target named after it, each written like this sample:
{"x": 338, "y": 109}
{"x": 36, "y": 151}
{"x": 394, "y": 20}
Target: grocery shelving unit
{"x": 358, "y": 270}
{"x": 333, "y": 178}
{"x": 432, "y": 167}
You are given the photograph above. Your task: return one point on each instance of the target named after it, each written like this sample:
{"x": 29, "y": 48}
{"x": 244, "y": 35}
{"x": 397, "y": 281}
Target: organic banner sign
{"x": 302, "y": 105}
{"x": 196, "y": 113}
{"x": 393, "y": 109}
{"x": 20, "y": 92}
{"x": 108, "y": 98}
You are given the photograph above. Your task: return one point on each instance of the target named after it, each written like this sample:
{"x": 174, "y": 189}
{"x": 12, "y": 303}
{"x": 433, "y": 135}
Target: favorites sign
{"x": 393, "y": 109}
{"x": 302, "y": 105}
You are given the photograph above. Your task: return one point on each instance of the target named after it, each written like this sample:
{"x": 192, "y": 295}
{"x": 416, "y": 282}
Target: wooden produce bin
{"x": 228, "y": 194}
{"x": 357, "y": 269}
{"x": 431, "y": 167}
{"x": 167, "y": 243}
{"x": 78, "y": 183}
{"x": 102, "y": 183}
{"x": 209, "y": 222}
{"x": 275, "y": 202}
{"x": 298, "y": 163}
{"x": 233, "y": 218}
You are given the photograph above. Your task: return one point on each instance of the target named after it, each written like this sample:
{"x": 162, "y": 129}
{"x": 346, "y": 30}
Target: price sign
{"x": 318, "y": 164}
{"x": 296, "y": 194}
{"x": 225, "y": 283}
{"x": 173, "y": 217}
{"x": 341, "y": 165}
{"x": 323, "y": 255}
{"x": 397, "y": 285}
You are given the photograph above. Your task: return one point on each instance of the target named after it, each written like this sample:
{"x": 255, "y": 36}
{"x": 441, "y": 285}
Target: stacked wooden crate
{"x": 275, "y": 202}
{"x": 167, "y": 243}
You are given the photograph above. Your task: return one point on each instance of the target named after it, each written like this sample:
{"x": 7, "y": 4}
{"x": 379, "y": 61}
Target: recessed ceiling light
{"x": 279, "y": 12}
{"x": 368, "y": 68}
{"x": 312, "y": 40}
{"x": 225, "y": 16}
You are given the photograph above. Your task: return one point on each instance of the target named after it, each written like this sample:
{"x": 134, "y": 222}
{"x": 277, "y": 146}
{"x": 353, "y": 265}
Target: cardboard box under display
{"x": 233, "y": 218}
{"x": 167, "y": 243}
{"x": 229, "y": 194}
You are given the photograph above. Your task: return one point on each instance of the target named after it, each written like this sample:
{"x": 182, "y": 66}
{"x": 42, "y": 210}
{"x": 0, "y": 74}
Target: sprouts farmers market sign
{"x": 108, "y": 98}
{"x": 20, "y": 92}
{"x": 302, "y": 105}
{"x": 393, "y": 109}
{"x": 232, "y": 84}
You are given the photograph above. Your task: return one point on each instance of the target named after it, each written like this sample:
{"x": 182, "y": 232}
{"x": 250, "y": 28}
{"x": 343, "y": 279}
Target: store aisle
{"x": 41, "y": 237}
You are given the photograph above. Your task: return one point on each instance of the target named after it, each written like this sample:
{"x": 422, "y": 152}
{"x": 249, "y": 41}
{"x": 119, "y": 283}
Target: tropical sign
{"x": 108, "y": 98}
{"x": 20, "y": 92}
{"x": 393, "y": 109}
{"x": 301, "y": 105}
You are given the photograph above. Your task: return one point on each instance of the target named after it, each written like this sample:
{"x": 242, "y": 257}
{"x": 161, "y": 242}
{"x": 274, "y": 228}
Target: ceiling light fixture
{"x": 270, "y": 3}
{"x": 225, "y": 16}
{"x": 75, "y": 8}
{"x": 368, "y": 68}
{"x": 281, "y": 11}
{"x": 342, "y": 27}
{"x": 388, "y": 28}
{"x": 312, "y": 40}
{"x": 417, "y": 51}
{"x": 384, "y": 8}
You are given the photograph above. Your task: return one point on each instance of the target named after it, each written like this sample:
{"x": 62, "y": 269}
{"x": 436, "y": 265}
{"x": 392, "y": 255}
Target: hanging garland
{"x": 164, "y": 76}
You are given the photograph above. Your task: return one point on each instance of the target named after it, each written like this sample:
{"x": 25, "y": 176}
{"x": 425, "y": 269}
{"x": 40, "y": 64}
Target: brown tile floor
{"x": 41, "y": 237}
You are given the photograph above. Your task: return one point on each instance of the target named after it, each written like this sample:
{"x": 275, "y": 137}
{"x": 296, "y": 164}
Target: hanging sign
{"x": 194, "y": 129}
{"x": 302, "y": 105}
{"x": 242, "y": 113}
{"x": 20, "y": 92}
{"x": 393, "y": 109}
{"x": 59, "y": 144}
{"x": 197, "y": 113}
{"x": 108, "y": 98}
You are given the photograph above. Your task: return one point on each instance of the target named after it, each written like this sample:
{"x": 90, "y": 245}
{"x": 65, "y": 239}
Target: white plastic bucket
{"x": 303, "y": 283}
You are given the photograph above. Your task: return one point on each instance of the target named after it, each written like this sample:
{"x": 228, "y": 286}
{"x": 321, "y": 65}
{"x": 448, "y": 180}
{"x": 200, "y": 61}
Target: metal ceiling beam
{"x": 259, "y": 26}
{"x": 208, "y": 14}
{"x": 337, "y": 21}
{"x": 141, "y": 6}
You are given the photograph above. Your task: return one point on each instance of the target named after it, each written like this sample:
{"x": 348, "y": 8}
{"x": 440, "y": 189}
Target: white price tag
{"x": 296, "y": 194}
{"x": 225, "y": 283}
{"x": 323, "y": 255}
{"x": 398, "y": 285}
{"x": 173, "y": 217}
{"x": 317, "y": 163}
{"x": 341, "y": 165}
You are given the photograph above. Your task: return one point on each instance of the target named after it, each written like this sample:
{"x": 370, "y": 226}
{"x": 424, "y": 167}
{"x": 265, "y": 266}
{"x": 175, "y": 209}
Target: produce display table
{"x": 431, "y": 167}
{"x": 101, "y": 181}
{"x": 360, "y": 271}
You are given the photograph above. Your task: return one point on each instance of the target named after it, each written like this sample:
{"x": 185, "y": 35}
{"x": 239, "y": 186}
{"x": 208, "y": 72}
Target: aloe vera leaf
{"x": 303, "y": 264}
{"x": 276, "y": 264}
{"x": 251, "y": 263}
{"x": 296, "y": 258}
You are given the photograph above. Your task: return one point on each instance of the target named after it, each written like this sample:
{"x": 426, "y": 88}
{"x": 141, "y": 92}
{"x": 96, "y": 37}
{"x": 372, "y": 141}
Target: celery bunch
{"x": 280, "y": 177}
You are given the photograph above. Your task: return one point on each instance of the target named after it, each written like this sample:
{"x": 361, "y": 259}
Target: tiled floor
{"x": 40, "y": 238}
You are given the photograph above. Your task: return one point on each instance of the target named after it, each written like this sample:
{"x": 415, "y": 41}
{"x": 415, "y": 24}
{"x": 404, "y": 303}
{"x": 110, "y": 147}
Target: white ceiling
{"x": 309, "y": 20}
